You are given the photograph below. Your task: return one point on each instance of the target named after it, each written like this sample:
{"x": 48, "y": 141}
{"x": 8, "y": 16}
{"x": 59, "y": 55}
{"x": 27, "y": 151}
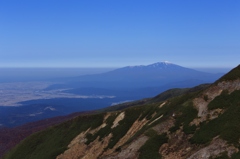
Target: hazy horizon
{"x": 30, "y": 74}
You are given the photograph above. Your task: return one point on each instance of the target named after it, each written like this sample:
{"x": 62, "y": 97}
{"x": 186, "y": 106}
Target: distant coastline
{"x": 36, "y": 74}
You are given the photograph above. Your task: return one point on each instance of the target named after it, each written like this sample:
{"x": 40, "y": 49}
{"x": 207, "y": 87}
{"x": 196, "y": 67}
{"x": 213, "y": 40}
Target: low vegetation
{"x": 151, "y": 147}
{"x": 53, "y": 141}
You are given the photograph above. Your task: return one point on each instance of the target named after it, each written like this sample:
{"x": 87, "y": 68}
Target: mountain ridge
{"x": 201, "y": 123}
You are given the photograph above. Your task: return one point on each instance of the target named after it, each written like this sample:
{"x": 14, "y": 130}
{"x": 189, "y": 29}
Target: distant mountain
{"x": 154, "y": 75}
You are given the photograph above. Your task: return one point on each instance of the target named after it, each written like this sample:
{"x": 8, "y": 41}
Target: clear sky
{"x": 115, "y": 33}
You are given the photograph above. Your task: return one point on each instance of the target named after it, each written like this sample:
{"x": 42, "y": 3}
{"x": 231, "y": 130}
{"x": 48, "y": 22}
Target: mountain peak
{"x": 162, "y": 64}
{"x": 166, "y": 62}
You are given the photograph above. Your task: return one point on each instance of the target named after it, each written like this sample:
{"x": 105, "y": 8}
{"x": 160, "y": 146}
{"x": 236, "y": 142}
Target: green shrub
{"x": 189, "y": 129}
{"x": 236, "y": 155}
{"x": 205, "y": 97}
{"x": 150, "y": 133}
{"x": 151, "y": 147}
{"x": 221, "y": 101}
{"x": 221, "y": 156}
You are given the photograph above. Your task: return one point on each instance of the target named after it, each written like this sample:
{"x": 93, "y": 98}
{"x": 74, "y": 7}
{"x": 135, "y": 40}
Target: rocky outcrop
{"x": 130, "y": 151}
{"x": 216, "y": 147}
{"x": 119, "y": 118}
{"x": 79, "y": 149}
{"x": 178, "y": 146}
{"x": 201, "y": 103}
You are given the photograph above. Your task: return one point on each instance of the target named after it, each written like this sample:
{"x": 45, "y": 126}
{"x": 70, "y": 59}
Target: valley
{"x": 13, "y": 94}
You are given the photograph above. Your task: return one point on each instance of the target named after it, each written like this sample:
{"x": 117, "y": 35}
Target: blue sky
{"x": 115, "y": 33}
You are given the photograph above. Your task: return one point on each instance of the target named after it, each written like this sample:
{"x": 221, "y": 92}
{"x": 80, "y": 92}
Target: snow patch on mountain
{"x": 50, "y": 108}
{"x": 158, "y": 64}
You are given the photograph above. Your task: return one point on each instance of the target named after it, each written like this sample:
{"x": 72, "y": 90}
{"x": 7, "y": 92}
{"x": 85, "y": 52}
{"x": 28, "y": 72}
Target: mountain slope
{"x": 9, "y": 137}
{"x": 196, "y": 124}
